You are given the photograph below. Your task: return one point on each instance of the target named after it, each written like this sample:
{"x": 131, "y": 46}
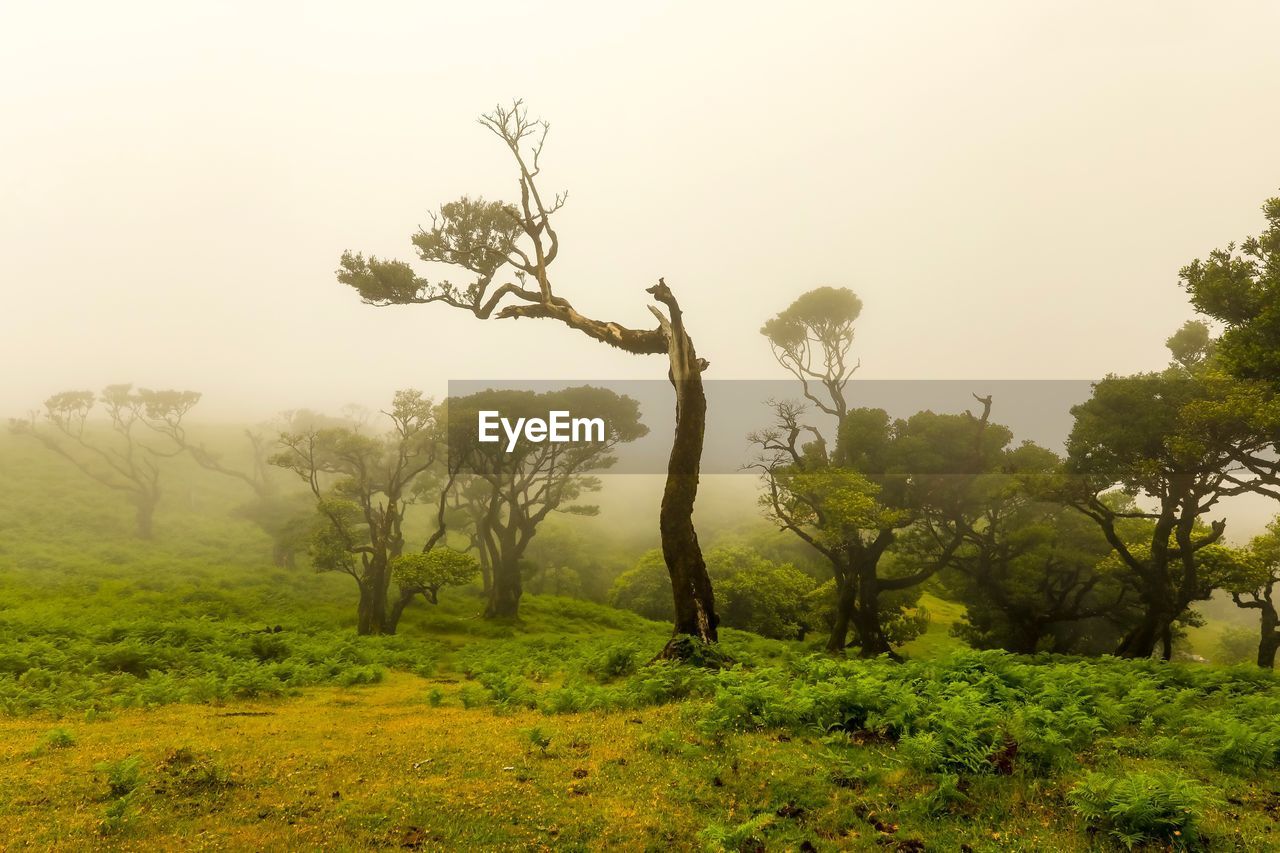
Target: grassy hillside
{"x": 184, "y": 693}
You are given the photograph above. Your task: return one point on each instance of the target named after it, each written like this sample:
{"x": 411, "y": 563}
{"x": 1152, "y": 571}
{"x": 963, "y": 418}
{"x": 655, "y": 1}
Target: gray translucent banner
{"x": 1035, "y": 410}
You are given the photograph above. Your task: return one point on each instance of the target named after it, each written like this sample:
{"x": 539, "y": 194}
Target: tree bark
{"x": 846, "y": 598}
{"x": 506, "y": 547}
{"x": 506, "y": 589}
{"x": 866, "y": 616}
{"x": 695, "y": 613}
{"x": 371, "y": 616}
{"x": 1141, "y": 641}
{"x": 486, "y": 574}
{"x": 1267, "y": 651}
{"x": 1270, "y": 641}
{"x": 364, "y": 611}
{"x": 397, "y": 610}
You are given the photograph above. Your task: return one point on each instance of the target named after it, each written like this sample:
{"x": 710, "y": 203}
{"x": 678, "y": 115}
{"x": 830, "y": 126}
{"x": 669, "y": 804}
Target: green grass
{"x": 937, "y": 639}
{"x": 147, "y": 705}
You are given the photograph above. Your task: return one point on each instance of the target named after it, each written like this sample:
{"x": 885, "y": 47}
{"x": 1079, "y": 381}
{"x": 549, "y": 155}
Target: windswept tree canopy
{"x": 124, "y": 458}
{"x": 479, "y": 243}
{"x": 812, "y": 339}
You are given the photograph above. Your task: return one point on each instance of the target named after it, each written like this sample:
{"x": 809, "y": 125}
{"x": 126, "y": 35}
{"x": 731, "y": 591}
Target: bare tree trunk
{"x": 695, "y": 610}
{"x": 283, "y": 555}
{"x": 505, "y": 584}
{"x": 1267, "y": 651}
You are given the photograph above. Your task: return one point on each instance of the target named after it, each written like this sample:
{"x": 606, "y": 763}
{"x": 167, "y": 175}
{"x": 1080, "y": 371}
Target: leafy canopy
{"x": 1239, "y": 286}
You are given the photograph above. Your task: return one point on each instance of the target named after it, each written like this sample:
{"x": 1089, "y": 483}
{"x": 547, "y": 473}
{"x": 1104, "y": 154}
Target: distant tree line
{"x": 1106, "y": 548}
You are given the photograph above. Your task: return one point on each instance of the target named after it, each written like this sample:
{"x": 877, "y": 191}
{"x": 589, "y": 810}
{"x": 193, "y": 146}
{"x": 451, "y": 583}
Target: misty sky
{"x": 1011, "y": 187}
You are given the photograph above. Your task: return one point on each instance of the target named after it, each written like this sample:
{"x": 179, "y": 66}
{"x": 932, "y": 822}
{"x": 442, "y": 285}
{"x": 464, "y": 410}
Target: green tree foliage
{"x": 644, "y": 588}
{"x": 1252, "y": 582}
{"x": 811, "y": 339}
{"x": 755, "y": 594}
{"x": 1175, "y": 440}
{"x": 907, "y": 482}
{"x": 363, "y": 485}
{"x": 884, "y": 477}
{"x": 426, "y": 573}
{"x": 1239, "y": 286}
{"x": 1028, "y": 571}
{"x": 759, "y": 595}
{"x": 1236, "y": 644}
{"x": 535, "y": 479}
{"x": 1192, "y": 345}
{"x": 576, "y": 558}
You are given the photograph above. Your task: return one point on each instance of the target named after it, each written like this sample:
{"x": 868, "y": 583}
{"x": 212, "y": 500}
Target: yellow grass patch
{"x": 346, "y": 768}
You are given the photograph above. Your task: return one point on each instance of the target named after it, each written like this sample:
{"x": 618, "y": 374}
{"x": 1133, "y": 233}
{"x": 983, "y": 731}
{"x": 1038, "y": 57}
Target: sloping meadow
{"x": 1140, "y": 751}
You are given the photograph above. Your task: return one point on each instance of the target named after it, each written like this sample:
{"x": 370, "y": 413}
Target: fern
{"x": 1140, "y": 808}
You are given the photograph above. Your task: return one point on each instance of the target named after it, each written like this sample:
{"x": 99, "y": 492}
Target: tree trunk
{"x": 1267, "y": 651}
{"x": 364, "y": 611}
{"x": 846, "y": 597}
{"x": 1141, "y": 641}
{"x": 866, "y": 612}
{"x": 371, "y": 617}
{"x": 486, "y": 574}
{"x": 143, "y": 516}
{"x": 695, "y": 612}
{"x": 1270, "y": 641}
{"x": 397, "y": 610}
{"x": 505, "y": 589}
{"x": 866, "y": 616}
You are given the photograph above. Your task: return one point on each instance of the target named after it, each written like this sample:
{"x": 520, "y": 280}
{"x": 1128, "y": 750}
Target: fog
{"x": 1010, "y": 187}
